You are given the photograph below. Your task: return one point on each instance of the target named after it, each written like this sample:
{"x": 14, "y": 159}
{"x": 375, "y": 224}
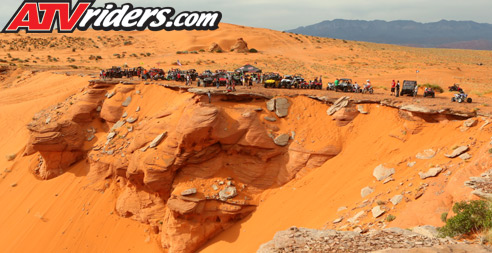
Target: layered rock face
{"x": 188, "y": 169}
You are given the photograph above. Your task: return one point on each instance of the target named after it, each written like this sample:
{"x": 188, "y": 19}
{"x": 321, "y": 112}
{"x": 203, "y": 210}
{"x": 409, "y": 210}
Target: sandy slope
{"x": 67, "y": 214}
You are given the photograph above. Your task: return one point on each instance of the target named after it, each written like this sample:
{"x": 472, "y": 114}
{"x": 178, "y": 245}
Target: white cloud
{"x": 287, "y": 14}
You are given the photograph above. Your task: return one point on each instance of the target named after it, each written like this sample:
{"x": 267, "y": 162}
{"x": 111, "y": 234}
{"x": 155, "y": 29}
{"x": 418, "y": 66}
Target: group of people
{"x": 395, "y": 88}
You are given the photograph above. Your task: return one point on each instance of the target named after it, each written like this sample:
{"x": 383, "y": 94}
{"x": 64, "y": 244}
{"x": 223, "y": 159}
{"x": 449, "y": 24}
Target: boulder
{"x": 240, "y": 47}
{"x": 430, "y": 173}
{"x": 381, "y": 172}
{"x": 228, "y": 193}
{"x": 214, "y": 48}
{"x": 282, "y": 140}
{"x": 457, "y": 151}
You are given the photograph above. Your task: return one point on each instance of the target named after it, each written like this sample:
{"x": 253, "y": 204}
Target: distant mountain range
{"x": 442, "y": 34}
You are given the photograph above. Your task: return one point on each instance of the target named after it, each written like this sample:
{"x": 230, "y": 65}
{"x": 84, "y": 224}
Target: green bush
{"x": 444, "y": 217}
{"x": 390, "y": 218}
{"x": 252, "y": 50}
{"x": 435, "y": 87}
{"x": 473, "y": 216}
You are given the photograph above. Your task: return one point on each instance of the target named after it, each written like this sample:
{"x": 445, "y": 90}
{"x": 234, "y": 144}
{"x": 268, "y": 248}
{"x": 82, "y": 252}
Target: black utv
{"x": 409, "y": 88}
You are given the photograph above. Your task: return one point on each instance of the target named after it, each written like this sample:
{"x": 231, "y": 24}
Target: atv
{"x": 455, "y": 87}
{"x": 461, "y": 97}
{"x": 369, "y": 90}
{"x": 429, "y": 92}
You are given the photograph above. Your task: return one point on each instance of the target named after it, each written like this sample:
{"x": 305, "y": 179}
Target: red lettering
{"x": 27, "y": 17}
{"x": 66, "y": 23}
{"x": 31, "y": 11}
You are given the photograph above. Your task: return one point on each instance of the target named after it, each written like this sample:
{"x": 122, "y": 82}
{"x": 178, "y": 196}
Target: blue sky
{"x": 289, "y": 14}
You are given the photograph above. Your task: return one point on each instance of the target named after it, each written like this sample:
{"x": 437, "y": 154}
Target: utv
{"x": 409, "y": 88}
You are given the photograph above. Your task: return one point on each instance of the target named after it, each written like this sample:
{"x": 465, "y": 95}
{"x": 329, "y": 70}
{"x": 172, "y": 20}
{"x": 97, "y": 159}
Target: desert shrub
{"x": 148, "y": 54}
{"x": 74, "y": 66}
{"x": 179, "y": 52}
{"x": 435, "y": 87}
{"x": 473, "y": 216}
{"x": 390, "y": 217}
{"x": 444, "y": 217}
{"x": 202, "y": 50}
{"x": 252, "y": 50}
{"x": 490, "y": 151}
{"x": 380, "y": 202}
{"x": 219, "y": 51}
{"x": 127, "y": 43}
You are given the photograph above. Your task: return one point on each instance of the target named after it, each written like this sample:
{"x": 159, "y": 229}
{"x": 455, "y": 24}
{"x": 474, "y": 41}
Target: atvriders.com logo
{"x": 41, "y": 16}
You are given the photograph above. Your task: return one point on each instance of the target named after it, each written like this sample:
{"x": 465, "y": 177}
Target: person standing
{"x": 393, "y": 84}
{"x": 397, "y": 88}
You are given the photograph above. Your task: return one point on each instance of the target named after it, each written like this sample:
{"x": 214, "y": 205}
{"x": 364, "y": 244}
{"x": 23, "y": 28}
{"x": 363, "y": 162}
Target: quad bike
{"x": 455, "y": 87}
{"x": 330, "y": 86}
{"x": 369, "y": 90}
{"x": 460, "y": 98}
{"x": 429, "y": 92}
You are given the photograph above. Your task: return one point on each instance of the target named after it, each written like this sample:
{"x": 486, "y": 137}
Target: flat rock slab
{"x": 377, "y": 211}
{"x": 271, "y": 119}
{"x": 338, "y": 220}
{"x": 342, "y": 102}
{"x": 282, "y": 140}
{"x": 366, "y": 191}
{"x": 411, "y": 164}
{"x": 157, "y": 140}
{"x": 465, "y": 156}
{"x": 188, "y": 192}
{"x": 426, "y": 154}
{"x": 429, "y": 231}
{"x": 432, "y": 172}
{"x": 127, "y": 102}
{"x": 381, "y": 172}
{"x": 457, "y": 152}
{"x": 118, "y": 125}
{"x": 282, "y": 107}
{"x": 270, "y": 104}
{"x": 111, "y": 136}
{"x": 356, "y": 217}
{"x": 132, "y": 120}
{"x": 396, "y": 199}
{"x": 470, "y": 122}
